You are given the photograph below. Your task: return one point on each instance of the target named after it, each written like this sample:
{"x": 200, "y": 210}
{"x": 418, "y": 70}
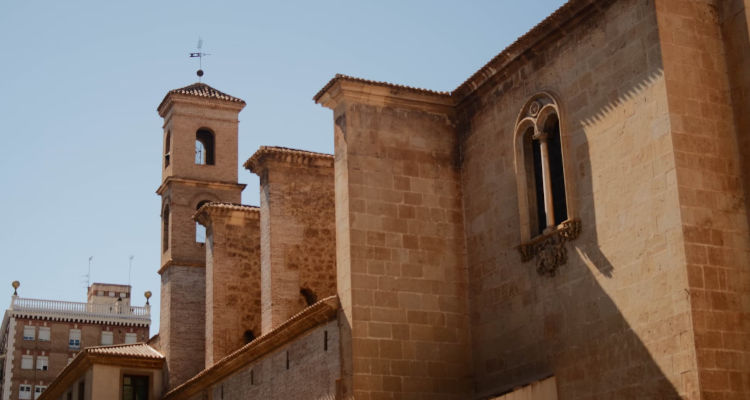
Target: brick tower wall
{"x": 185, "y": 185}
{"x": 232, "y": 277}
{"x": 182, "y": 323}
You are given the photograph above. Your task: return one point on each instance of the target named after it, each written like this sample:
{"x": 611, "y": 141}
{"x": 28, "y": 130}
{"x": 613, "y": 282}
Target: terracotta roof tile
{"x": 139, "y": 350}
{"x": 203, "y": 90}
{"x": 199, "y": 89}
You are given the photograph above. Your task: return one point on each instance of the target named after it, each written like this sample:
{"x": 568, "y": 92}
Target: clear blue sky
{"x": 80, "y": 82}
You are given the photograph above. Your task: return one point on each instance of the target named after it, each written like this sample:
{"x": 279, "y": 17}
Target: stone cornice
{"x": 554, "y": 24}
{"x": 178, "y": 263}
{"x": 383, "y": 93}
{"x": 258, "y": 160}
{"x": 198, "y": 183}
{"x": 212, "y": 210}
{"x": 311, "y": 317}
{"x": 356, "y": 90}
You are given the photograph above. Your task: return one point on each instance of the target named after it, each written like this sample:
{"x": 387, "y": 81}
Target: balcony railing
{"x": 78, "y": 309}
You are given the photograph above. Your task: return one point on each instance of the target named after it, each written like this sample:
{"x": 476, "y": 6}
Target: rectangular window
{"x": 24, "y": 391}
{"x": 27, "y": 362}
{"x": 107, "y": 338}
{"x": 134, "y": 387}
{"x": 131, "y": 338}
{"x": 42, "y": 363}
{"x": 44, "y": 334}
{"x": 38, "y": 390}
{"x": 28, "y": 332}
{"x": 74, "y": 341}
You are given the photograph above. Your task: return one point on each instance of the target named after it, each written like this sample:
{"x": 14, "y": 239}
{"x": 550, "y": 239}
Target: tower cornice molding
{"x": 209, "y": 211}
{"x": 347, "y": 89}
{"x": 258, "y": 160}
{"x": 197, "y": 183}
{"x": 180, "y": 263}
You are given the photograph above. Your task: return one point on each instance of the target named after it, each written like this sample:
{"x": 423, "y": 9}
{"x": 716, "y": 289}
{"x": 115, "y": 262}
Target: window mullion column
{"x": 549, "y": 208}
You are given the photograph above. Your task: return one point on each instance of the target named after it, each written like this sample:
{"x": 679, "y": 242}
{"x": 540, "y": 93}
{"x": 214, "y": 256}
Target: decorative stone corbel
{"x": 549, "y": 248}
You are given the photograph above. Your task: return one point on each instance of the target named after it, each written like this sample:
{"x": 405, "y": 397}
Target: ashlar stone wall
{"x": 707, "y": 132}
{"x": 400, "y": 259}
{"x": 615, "y": 320}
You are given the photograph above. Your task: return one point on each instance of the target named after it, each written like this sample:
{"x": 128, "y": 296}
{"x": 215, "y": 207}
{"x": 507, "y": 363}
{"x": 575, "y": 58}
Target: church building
{"x": 571, "y": 222}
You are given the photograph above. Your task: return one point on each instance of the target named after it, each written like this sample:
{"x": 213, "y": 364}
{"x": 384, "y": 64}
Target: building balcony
{"x": 114, "y": 312}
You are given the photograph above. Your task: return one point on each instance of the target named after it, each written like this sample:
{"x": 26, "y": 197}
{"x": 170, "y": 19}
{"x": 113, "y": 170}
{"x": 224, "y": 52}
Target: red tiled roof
{"x": 203, "y": 90}
{"x": 199, "y": 89}
{"x": 138, "y": 350}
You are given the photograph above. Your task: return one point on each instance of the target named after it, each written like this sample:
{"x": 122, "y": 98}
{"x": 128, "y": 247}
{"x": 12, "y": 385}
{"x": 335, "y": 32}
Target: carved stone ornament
{"x": 534, "y": 108}
{"x": 549, "y": 248}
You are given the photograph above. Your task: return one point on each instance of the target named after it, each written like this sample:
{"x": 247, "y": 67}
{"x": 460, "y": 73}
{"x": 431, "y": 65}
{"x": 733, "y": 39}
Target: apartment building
{"x": 41, "y": 337}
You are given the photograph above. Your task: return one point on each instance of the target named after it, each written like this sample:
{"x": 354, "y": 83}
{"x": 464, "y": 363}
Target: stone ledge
{"x": 549, "y": 248}
{"x": 209, "y": 210}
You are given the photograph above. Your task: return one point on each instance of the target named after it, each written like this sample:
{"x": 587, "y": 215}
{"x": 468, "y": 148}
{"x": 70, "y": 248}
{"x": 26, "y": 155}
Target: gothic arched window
{"x": 545, "y": 212}
{"x": 204, "y": 147}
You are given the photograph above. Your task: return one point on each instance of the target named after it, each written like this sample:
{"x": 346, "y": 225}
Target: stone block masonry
{"x": 401, "y": 258}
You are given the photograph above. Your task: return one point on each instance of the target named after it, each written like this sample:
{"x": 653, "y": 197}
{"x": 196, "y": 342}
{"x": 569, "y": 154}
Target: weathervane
{"x": 200, "y": 55}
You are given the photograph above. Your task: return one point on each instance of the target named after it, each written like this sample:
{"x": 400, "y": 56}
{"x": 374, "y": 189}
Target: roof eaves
{"x": 538, "y": 33}
{"x": 253, "y": 163}
{"x": 342, "y": 77}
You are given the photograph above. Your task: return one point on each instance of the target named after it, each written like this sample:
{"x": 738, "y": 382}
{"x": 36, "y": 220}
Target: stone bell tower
{"x": 199, "y": 165}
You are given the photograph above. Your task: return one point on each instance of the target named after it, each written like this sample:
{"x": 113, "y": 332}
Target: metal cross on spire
{"x": 200, "y": 56}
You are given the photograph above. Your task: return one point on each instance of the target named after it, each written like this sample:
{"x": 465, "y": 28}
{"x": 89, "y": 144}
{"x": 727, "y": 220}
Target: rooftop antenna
{"x": 130, "y": 268}
{"x": 88, "y": 276}
{"x": 200, "y": 56}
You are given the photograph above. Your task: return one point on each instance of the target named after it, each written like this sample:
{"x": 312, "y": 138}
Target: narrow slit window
{"x": 167, "y": 146}
{"x": 165, "y": 229}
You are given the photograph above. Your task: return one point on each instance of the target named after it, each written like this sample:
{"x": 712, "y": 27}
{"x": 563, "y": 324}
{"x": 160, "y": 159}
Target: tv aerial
{"x": 199, "y": 54}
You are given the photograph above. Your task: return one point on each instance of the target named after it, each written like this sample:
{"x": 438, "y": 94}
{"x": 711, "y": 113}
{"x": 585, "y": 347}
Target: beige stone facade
{"x": 571, "y": 222}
